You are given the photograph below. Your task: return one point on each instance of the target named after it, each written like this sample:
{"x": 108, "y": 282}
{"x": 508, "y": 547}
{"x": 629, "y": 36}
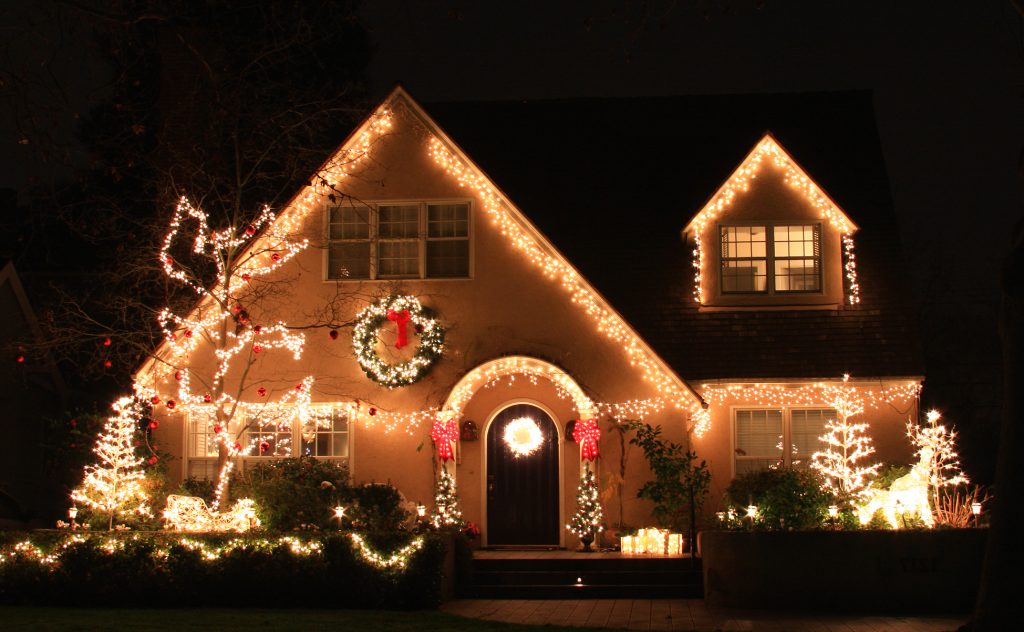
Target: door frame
{"x": 560, "y": 432}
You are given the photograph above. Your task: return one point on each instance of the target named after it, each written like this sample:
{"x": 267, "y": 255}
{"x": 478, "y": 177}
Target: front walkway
{"x": 683, "y": 614}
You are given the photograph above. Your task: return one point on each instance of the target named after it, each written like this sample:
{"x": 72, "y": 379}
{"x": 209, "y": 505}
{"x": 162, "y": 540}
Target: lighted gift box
{"x": 653, "y": 542}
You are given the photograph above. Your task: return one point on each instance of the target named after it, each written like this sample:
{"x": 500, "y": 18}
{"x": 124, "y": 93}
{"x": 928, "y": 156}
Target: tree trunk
{"x": 998, "y": 607}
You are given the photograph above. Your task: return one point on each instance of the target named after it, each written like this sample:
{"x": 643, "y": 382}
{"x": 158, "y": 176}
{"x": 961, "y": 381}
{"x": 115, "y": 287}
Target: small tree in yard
{"x": 113, "y": 486}
{"x": 680, "y": 482}
{"x": 936, "y": 446}
{"x": 447, "y": 514}
{"x": 841, "y": 462}
{"x": 587, "y": 522}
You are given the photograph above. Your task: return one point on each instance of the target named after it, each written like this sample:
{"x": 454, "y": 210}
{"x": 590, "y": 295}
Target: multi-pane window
{"x": 774, "y": 437}
{"x": 778, "y": 258}
{"x": 398, "y": 241}
{"x": 326, "y": 435}
{"x": 330, "y": 438}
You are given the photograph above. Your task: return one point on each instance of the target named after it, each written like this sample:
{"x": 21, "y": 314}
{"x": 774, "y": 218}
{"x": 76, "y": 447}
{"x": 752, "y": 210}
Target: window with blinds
{"x": 777, "y": 437}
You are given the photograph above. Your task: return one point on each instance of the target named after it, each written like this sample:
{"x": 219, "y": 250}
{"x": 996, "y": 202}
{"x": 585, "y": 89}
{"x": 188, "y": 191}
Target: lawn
{"x": 18, "y": 618}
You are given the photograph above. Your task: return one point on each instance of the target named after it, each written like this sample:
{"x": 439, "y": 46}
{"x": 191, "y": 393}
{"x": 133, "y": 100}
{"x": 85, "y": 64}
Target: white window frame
{"x": 209, "y": 463}
{"x": 770, "y": 258}
{"x": 422, "y": 239}
{"x": 787, "y": 432}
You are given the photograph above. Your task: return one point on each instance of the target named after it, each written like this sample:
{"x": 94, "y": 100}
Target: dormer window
{"x": 780, "y": 258}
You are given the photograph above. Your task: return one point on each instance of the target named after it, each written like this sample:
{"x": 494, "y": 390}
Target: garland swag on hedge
{"x": 402, "y": 310}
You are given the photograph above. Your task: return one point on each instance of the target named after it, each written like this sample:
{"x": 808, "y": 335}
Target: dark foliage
{"x": 786, "y": 498}
{"x": 296, "y": 493}
{"x": 680, "y": 483}
{"x": 136, "y": 575}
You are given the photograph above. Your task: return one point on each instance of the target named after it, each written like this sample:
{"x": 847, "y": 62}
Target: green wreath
{"x": 364, "y": 341}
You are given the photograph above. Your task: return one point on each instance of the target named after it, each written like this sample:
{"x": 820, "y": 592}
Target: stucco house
{"x": 713, "y": 265}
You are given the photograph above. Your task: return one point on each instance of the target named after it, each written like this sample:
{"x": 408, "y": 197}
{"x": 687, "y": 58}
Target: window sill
{"x": 773, "y": 307}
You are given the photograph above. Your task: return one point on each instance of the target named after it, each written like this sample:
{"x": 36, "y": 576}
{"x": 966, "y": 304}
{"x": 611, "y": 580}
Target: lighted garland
{"x": 364, "y": 341}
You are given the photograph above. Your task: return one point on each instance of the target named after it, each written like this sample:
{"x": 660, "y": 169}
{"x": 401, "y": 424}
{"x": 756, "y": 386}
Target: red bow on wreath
{"x": 444, "y": 433}
{"x": 587, "y": 434}
{"x": 401, "y": 319}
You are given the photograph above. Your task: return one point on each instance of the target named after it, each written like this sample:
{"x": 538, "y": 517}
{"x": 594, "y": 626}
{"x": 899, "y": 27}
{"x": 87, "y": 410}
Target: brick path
{"x": 684, "y": 614}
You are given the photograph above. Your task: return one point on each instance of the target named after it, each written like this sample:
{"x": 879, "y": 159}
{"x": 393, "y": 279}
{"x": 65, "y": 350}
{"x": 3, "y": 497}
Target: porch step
{"x": 575, "y": 578}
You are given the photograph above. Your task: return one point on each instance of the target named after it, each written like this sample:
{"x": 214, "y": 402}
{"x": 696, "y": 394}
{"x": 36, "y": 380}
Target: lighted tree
{"x": 841, "y": 463}
{"x": 446, "y": 503}
{"x": 935, "y": 445}
{"x": 113, "y": 486}
{"x": 212, "y": 352}
{"x": 587, "y": 522}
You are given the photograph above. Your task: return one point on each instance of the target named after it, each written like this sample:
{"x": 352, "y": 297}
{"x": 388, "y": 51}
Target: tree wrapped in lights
{"x": 114, "y": 485}
{"x": 227, "y": 269}
{"x": 587, "y": 522}
{"x": 847, "y": 444}
{"x": 935, "y": 445}
{"x": 447, "y": 514}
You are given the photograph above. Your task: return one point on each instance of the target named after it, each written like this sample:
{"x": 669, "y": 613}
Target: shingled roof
{"x": 612, "y": 182}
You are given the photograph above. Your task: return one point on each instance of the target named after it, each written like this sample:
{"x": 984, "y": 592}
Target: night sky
{"x": 947, "y": 78}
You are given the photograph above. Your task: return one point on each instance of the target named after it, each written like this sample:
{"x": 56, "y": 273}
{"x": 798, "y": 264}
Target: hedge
{"x": 171, "y": 570}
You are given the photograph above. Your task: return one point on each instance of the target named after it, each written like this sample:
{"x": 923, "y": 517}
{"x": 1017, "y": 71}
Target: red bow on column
{"x": 401, "y": 319}
{"x": 444, "y": 434}
{"x": 587, "y": 434}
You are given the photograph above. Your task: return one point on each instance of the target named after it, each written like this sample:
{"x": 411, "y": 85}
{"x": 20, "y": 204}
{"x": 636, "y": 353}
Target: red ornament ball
{"x": 188, "y": 333}
{"x": 275, "y": 257}
{"x": 106, "y": 342}
{"x": 262, "y": 392}
{"x": 238, "y": 446}
{"x": 256, "y": 348}
{"x": 372, "y": 411}
{"x": 264, "y": 446}
{"x": 333, "y": 334}
{"x": 177, "y": 375}
{"x": 250, "y": 230}
{"x": 155, "y": 400}
{"x": 21, "y": 359}
{"x": 107, "y": 364}
{"x": 216, "y": 429}
{"x": 207, "y": 398}
{"x": 237, "y": 309}
{"x": 257, "y": 329}
{"x": 246, "y": 277}
{"x": 152, "y": 460}
{"x": 171, "y": 404}
{"x": 154, "y": 424}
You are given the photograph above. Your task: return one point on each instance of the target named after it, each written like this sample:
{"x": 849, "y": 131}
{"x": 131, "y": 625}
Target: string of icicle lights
{"x": 556, "y": 268}
{"x": 819, "y": 393}
{"x": 739, "y": 182}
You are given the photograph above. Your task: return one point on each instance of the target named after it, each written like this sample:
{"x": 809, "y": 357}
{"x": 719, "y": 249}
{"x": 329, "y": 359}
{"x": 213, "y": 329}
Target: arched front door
{"x": 522, "y": 491}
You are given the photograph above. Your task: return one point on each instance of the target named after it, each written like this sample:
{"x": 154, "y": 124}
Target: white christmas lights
{"x": 523, "y": 436}
{"x": 113, "y": 486}
{"x": 768, "y": 151}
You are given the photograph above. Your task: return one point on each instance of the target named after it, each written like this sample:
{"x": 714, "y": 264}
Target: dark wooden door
{"x": 522, "y": 492}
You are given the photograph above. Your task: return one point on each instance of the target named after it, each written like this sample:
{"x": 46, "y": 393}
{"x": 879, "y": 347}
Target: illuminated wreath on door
{"x": 403, "y": 311}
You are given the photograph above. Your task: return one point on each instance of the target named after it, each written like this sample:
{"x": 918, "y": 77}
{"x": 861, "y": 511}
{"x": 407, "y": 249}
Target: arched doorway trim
{"x": 517, "y": 365}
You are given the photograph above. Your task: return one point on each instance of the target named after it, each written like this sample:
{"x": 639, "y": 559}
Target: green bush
{"x": 378, "y": 509}
{"x": 786, "y": 498}
{"x": 158, "y": 570}
{"x": 295, "y": 493}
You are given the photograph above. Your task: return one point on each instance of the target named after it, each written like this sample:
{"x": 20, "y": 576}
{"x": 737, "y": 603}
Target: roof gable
{"x": 611, "y": 182}
{"x": 513, "y": 224}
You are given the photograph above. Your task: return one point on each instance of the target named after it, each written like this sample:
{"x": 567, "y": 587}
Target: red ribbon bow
{"x": 444, "y": 434}
{"x": 401, "y": 319}
{"x": 587, "y": 434}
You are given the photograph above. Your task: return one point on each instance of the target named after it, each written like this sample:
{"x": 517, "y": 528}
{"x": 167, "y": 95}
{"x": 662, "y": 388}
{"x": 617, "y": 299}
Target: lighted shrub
{"x": 786, "y": 498}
